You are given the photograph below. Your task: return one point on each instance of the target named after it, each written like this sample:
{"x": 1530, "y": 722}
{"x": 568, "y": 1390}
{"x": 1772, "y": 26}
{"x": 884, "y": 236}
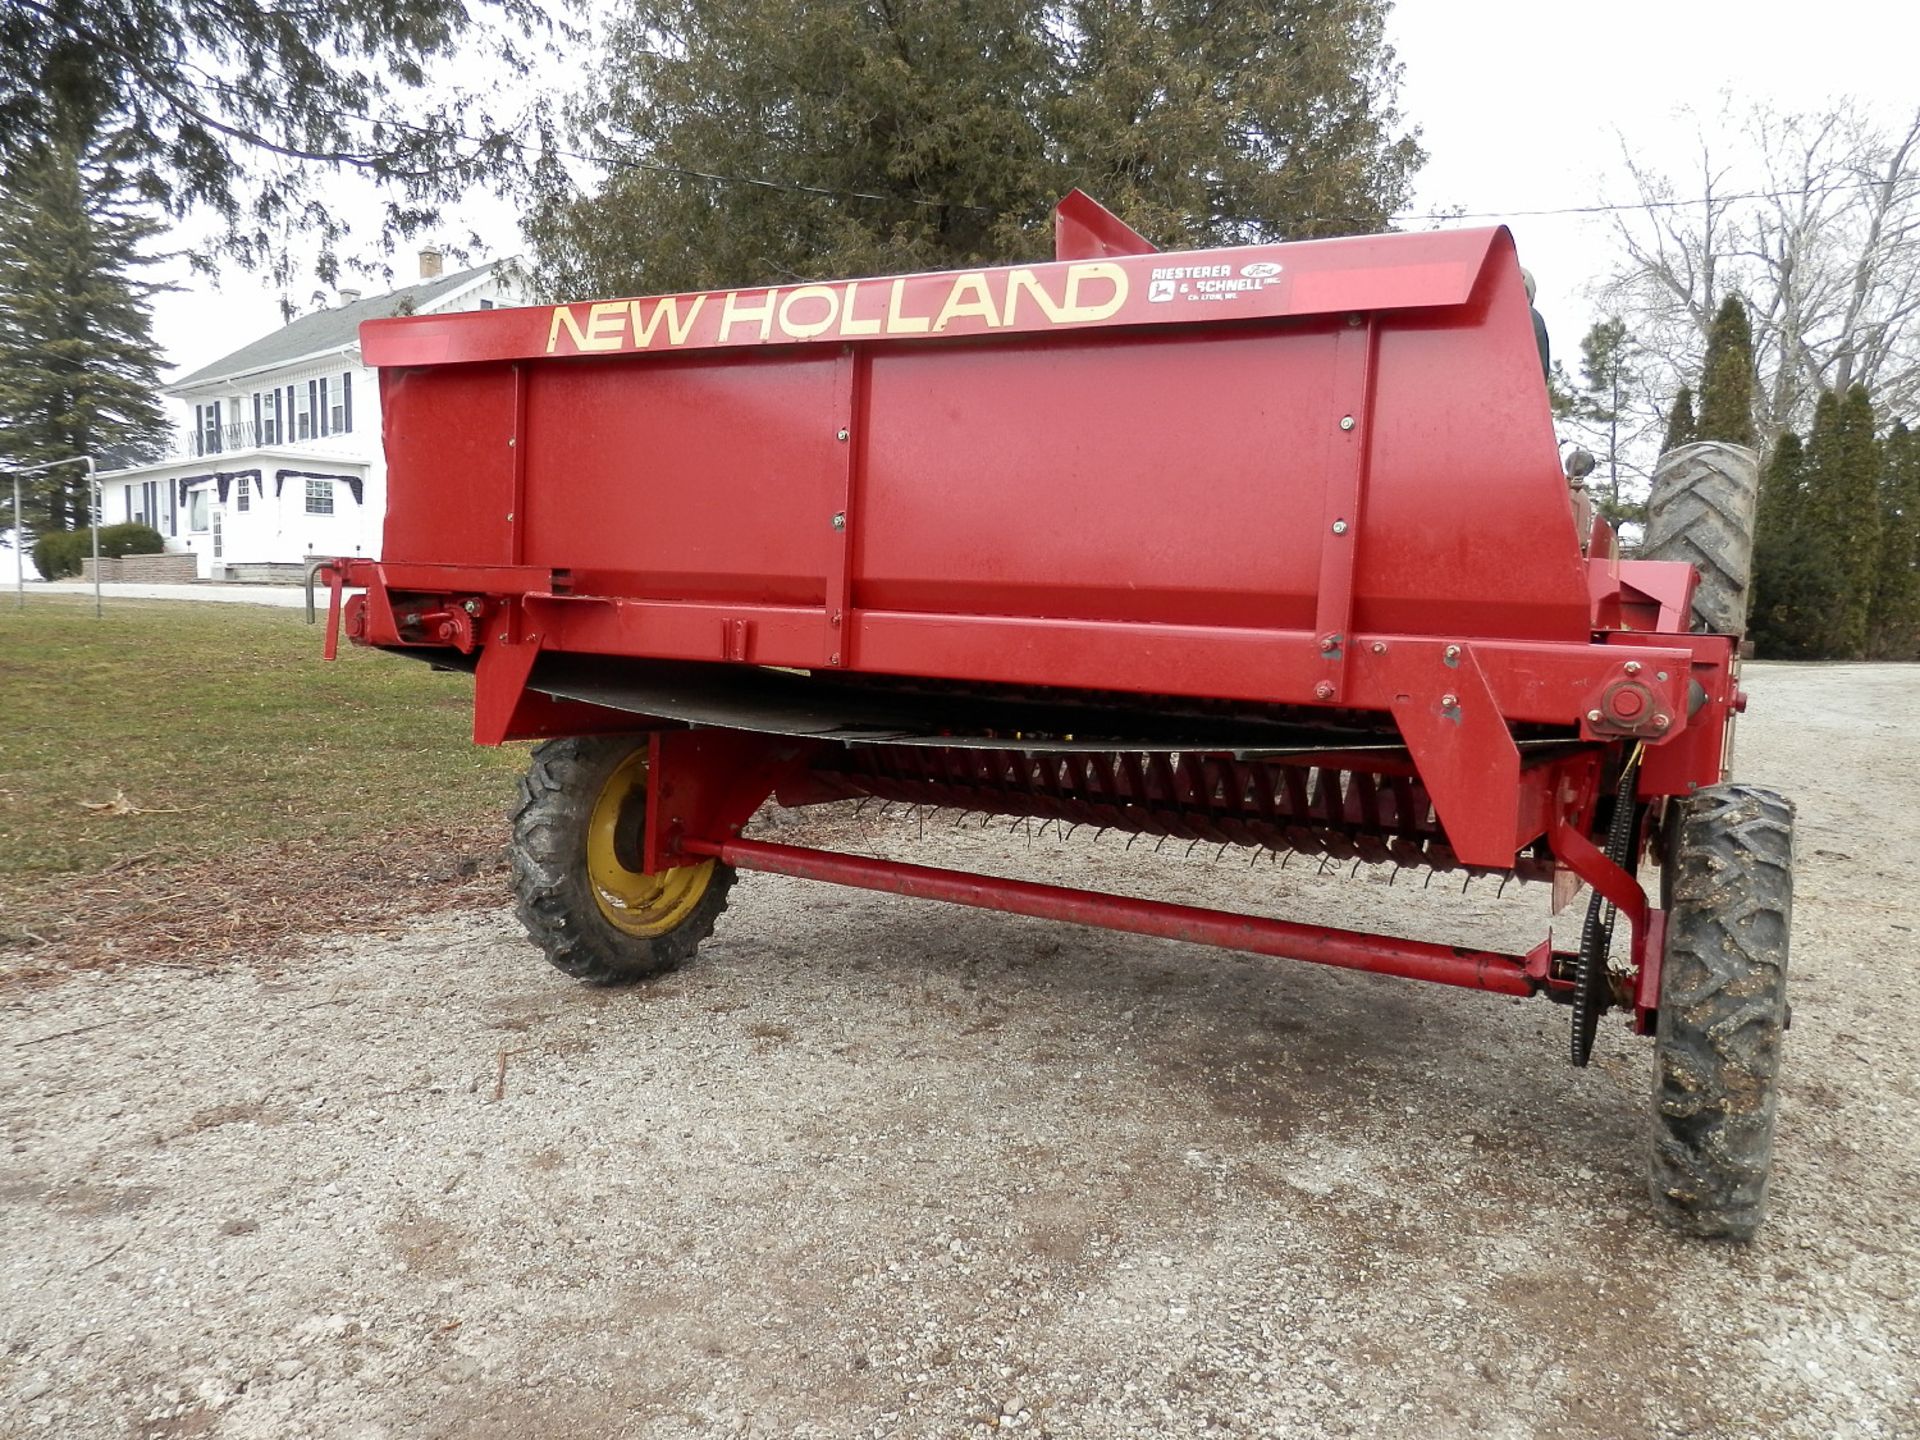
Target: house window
{"x": 486, "y": 304}
{"x": 242, "y": 497}
{"x": 343, "y": 406}
{"x": 319, "y": 497}
{"x": 302, "y": 413}
{"x": 197, "y": 511}
{"x": 206, "y": 429}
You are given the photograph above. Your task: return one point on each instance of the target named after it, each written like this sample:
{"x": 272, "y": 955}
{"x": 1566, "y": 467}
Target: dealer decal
{"x": 1210, "y": 282}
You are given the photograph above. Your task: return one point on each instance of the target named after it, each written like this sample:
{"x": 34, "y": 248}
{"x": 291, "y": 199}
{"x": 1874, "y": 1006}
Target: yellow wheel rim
{"x": 633, "y": 901}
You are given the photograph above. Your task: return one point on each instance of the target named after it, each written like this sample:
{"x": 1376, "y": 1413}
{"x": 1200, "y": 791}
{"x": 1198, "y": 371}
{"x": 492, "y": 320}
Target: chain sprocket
{"x": 1592, "y": 986}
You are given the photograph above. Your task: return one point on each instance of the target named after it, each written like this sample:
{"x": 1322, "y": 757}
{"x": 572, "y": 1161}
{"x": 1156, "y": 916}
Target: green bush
{"x": 58, "y": 554}
{"x": 130, "y": 538}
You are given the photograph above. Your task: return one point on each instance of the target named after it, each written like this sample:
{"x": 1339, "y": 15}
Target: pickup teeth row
{"x": 1373, "y": 817}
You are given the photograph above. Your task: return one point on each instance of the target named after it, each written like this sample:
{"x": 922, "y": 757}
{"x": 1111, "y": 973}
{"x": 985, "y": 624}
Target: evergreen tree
{"x": 220, "y": 104}
{"x": 1562, "y": 394}
{"x": 1894, "y": 624}
{"x": 1726, "y": 386}
{"x": 78, "y": 365}
{"x": 1861, "y": 520}
{"x": 1607, "y": 378}
{"x": 1783, "y": 618}
{"x": 1838, "y": 532}
{"x": 1680, "y": 421}
{"x": 766, "y": 142}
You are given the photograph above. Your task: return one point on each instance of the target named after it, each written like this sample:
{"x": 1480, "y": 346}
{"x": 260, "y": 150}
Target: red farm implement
{"x": 1267, "y": 547}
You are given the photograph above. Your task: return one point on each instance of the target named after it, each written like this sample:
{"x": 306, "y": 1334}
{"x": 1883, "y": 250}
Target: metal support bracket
{"x": 1465, "y": 754}
{"x": 1348, "y": 454}
{"x": 836, "y": 647}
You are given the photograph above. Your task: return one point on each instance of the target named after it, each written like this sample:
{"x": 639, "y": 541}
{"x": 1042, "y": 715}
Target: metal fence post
{"x": 93, "y": 489}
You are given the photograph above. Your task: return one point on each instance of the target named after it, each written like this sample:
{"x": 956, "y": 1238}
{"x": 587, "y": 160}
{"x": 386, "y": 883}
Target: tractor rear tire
{"x": 1702, "y": 511}
{"x": 577, "y": 881}
{"x": 1723, "y": 1006}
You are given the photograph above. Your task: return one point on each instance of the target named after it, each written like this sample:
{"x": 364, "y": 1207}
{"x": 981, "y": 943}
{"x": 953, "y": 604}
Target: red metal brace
{"x": 1592, "y": 864}
{"x": 336, "y": 574}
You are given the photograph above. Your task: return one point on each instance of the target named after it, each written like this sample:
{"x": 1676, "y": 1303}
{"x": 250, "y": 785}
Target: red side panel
{"x": 452, "y": 468}
{"x": 1334, "y": 439}
{"x": 706, "y": 479}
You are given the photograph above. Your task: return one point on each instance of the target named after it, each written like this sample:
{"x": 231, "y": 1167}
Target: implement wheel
{"x": 1701, "y": 510}
{"x": 576, "y": 867}
{"x": 1723, "y": 1005}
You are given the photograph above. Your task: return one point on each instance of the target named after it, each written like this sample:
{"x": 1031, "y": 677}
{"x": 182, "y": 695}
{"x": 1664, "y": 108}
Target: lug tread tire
{"x": 553, "y": 894}
{"x": 1722, "y": 1008}
{"x": 1701, "y": 511}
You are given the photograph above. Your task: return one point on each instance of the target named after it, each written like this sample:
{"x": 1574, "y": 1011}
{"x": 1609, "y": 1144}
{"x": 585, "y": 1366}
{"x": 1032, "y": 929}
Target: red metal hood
{"x": 1368, "y": 273}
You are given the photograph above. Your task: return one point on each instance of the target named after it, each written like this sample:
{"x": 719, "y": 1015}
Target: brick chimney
{"x": 430, "y": 260}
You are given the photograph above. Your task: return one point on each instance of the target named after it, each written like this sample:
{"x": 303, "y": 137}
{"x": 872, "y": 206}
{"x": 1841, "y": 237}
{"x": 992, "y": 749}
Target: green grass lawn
{"x": 228, "y": 739}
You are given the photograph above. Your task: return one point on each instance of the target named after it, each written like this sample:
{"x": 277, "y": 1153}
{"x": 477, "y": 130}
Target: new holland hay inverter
{"x": 1263, "y": 547}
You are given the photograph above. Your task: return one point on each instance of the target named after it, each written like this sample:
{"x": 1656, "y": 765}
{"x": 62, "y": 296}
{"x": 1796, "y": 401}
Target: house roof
{"x": 326, "y": 330}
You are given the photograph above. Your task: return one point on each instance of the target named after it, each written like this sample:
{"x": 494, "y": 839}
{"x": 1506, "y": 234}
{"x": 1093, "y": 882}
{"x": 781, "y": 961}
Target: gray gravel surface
{"x": 878, "y": 1167}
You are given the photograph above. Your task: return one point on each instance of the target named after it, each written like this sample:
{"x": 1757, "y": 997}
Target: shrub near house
{"x": 59, "y": 555}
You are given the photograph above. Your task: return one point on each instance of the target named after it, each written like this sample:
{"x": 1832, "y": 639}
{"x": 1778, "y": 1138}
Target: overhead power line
{"x": 1613, "y": 207}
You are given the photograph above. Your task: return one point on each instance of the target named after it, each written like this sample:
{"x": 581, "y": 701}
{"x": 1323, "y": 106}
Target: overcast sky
{"x": 1519, "y": 102}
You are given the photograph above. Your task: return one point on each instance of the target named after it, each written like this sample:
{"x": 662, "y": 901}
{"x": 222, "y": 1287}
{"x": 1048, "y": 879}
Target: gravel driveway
{"x": 879, "y": 1167}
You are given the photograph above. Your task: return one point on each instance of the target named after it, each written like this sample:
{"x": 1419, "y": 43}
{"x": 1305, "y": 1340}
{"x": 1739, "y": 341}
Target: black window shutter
{"x": 256, "y": 417}
{"x": 313, "y": 407}
{"x": 200, "y": 429}
{"x": 346, "y": 402}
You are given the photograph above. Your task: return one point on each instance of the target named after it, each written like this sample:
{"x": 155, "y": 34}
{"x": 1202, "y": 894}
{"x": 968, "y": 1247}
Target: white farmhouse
{"x": 283, "y": 461}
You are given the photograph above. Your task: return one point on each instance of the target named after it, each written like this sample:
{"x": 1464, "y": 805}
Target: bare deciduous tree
{"x": 1818, "y": 229}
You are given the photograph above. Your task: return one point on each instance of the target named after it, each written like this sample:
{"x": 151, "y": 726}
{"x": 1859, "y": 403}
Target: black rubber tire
{"x": 1723, "y": 1006}
{"x": 1701, "y": 510}
{"x": 552, "y": 891}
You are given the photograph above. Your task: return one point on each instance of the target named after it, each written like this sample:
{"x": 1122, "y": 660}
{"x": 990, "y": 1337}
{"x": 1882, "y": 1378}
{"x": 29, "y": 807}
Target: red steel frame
{"x": 1317, "y": 476}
